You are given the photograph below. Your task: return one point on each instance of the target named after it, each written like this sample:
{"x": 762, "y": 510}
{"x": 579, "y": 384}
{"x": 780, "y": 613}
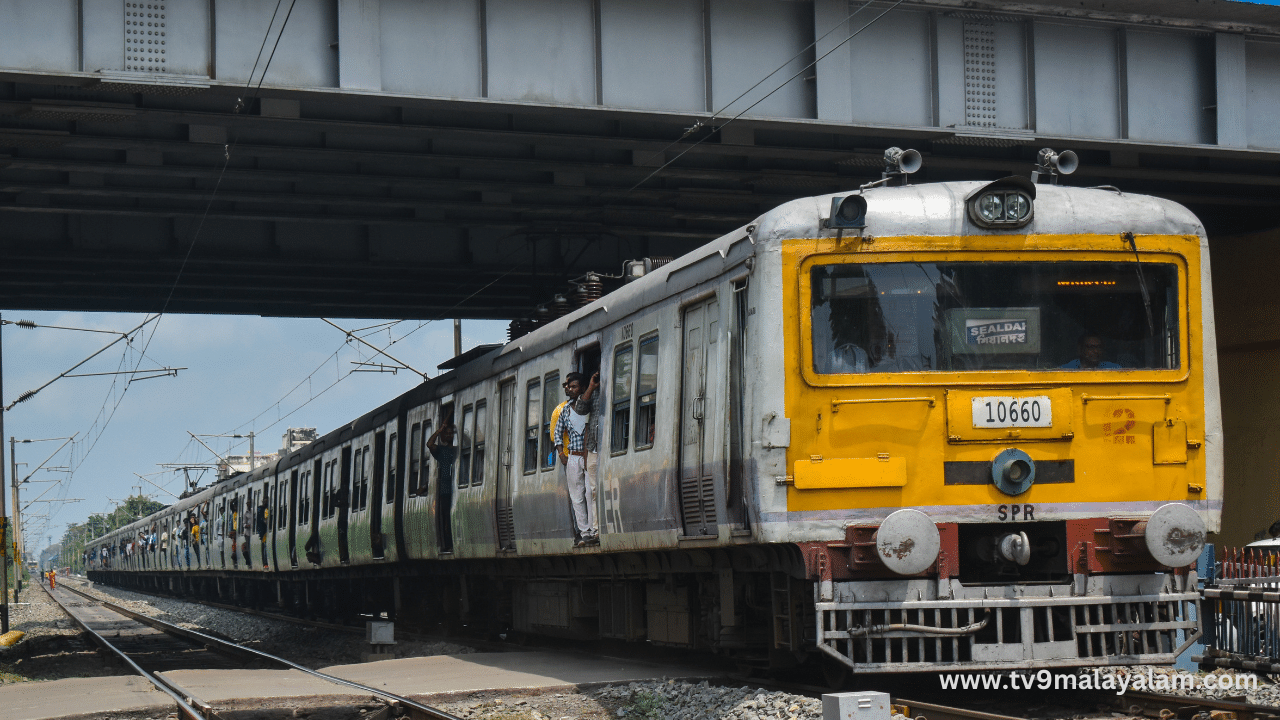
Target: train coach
{"x": 956, "y": 425}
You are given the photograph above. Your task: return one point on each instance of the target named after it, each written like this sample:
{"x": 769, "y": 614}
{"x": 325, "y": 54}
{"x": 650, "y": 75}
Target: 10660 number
{"x": 999, "y": 411}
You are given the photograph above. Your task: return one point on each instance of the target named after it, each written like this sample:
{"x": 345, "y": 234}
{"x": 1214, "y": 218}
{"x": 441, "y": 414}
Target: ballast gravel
{"x": 307, "y": 646}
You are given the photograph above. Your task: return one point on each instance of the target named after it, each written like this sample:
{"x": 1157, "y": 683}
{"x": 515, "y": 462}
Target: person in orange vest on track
{"x": 51, "y": 580}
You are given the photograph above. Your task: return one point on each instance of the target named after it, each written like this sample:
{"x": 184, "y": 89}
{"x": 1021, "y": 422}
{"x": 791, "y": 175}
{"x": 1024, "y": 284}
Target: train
{"x": 962, "y": 425}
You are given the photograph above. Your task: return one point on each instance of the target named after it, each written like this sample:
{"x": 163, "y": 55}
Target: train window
{"x": 424, "y": 479}
{"x": 970, "y": 316}
{"x": 464, "y": 446}
{"x": 620, "y": 422}
{"x": 355, "y": 481}
{"x": 477, "y": 452}
{"x": 389, "y": 486}
{"x": 647, "y": 393}
{"x": 304, "y": 499}
{"x": 363, "y": 464}
{"x": 533, "y": 414}
{"x": 550, "y": 396}
{"x": 415, "y": 457}
{"x": 326, "y": 491}
{"x": 282, "y": 506}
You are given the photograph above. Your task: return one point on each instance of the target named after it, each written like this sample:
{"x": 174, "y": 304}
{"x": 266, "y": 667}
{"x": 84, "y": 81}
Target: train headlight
{"x": 991, "y": 207}
{"x": 1006, "y": 203}
{"x": 1013, "y": 471}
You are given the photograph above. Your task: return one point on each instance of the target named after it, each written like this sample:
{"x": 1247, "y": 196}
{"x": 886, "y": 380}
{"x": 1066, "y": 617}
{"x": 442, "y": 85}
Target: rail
{"x": 415, "y": 710}
{"x": 173, "y": 690}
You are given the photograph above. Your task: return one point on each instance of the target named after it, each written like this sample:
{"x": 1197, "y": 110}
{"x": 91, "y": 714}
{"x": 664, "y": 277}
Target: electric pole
{"x": 4, "y": 536}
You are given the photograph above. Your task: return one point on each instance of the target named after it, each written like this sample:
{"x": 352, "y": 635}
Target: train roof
{"x": 939, "y": 210}
{"x": 926, "y": 210}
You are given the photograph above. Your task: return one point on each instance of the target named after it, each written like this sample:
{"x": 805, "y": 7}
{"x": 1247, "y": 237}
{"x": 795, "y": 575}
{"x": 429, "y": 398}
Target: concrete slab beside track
{"x": 413, "y": 677}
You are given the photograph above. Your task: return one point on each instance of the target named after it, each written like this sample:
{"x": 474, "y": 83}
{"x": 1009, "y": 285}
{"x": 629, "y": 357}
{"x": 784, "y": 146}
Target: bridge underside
{"x": 383, "y": 171}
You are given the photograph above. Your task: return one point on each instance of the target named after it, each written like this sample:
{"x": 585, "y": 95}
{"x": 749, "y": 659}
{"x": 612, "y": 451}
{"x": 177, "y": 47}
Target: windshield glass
{"x": 914, "y": 317}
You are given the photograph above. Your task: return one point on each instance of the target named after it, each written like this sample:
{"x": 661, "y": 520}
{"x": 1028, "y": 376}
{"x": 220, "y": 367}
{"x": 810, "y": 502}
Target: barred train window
{"x": 916, "y": 317}
{"x": 533, "y": 413}
{"x": 464, "y": 447}
{"x": 477, "y": 452}
{"x": 364, "y": 479}
{"x": 550, "y": 395}
{"x": 620, "y": 423}
{"x": 389, "y": 487}
{"x": 415, "y": 457}
{"x": 647, "y": 393}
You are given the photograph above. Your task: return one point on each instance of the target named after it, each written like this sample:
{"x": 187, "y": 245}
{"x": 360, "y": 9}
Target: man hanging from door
{"x": 577, "y": 430}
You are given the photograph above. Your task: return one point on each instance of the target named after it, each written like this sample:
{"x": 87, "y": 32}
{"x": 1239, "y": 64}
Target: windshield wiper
{"x": 1142, "y": 282}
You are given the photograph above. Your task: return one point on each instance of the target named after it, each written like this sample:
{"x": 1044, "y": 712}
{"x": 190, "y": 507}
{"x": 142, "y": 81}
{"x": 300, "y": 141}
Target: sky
{"x": 243, "y": 373}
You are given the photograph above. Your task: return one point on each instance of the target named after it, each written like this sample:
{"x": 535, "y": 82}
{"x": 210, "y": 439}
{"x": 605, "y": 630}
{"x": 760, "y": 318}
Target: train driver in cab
{"x": 1091, "y": 350}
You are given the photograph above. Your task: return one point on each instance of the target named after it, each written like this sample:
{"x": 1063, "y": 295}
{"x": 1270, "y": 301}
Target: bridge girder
{"x": 411, "y": 159}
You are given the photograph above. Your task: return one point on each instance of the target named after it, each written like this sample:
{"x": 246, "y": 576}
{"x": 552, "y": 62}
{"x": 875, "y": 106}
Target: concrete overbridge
{"x": 402, "y": 155}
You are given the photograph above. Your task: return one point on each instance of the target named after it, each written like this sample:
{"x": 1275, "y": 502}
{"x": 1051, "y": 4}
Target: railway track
{"x": 1077, "y": 705}
{"x": 150, "y": 647}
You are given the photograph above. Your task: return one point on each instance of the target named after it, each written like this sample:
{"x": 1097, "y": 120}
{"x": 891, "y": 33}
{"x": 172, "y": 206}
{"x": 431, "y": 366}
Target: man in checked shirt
{"x": 579, "y": 426}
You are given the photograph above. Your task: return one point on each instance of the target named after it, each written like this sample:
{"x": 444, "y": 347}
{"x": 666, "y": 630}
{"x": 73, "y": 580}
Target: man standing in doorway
{"x": 441, "y": 447}
{"x": 577, "y": 429}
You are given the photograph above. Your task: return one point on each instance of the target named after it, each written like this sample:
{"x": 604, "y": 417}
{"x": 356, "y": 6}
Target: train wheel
{"x": 836, "y": 674}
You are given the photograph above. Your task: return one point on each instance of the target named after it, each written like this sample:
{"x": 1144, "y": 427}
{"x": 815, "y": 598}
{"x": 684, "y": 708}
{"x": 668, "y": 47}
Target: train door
{"x": 444, "y": 488}
{"x": 309, "y": 516}
{"x": 697, "y": 482}
{"x": 344, "y": 504}
{"x": 736, "y": 495}
{"x": 506, "y": 461}
{"x": 379, "y": 481}
{"x": 294, "y": 514}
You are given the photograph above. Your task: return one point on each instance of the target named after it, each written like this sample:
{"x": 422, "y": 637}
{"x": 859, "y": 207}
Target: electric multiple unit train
{"x": 956, "y": 425}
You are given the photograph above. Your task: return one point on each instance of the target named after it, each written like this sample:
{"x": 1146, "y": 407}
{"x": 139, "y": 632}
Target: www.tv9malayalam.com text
{"x": 1097, "y": 679}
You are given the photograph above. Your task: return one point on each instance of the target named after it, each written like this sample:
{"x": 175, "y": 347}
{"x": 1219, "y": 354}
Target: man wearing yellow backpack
{"x": 575, "y": 439}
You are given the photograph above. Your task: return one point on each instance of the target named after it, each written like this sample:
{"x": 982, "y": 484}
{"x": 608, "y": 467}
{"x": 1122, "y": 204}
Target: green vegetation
{"x": 646, "y": 705}
{"x": 79, "y": 534}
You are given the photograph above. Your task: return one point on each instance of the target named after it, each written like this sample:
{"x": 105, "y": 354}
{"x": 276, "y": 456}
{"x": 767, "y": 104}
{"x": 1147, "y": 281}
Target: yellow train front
{"x": 1003, "y": 408}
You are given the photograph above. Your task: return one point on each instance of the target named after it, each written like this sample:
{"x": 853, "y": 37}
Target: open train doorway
{"x": 344, "y": 505}
{"x": 444, "y": 487}
{"x": 379, "y": 482}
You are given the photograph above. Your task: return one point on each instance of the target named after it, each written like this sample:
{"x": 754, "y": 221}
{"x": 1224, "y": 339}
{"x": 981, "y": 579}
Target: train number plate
{"x": 998, "y": 411}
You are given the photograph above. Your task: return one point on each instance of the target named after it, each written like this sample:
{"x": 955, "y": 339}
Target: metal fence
{"x": 1242, "y": 611}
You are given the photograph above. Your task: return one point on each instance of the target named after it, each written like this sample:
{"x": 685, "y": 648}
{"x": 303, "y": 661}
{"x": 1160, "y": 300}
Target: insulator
{"x": 519, "y": 328}
{"x": 28, "y": 324}
{"x": 560, "y": 306}
{"x": 541, "y": 316}
{"x": 657, "y": 262}
{"x": 588, "y": 291}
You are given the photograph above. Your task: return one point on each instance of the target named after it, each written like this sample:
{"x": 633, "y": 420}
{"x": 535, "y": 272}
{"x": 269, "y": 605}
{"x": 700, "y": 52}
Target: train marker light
{"x": 1005, "y": 203}
{"x": 847, "y": 212}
